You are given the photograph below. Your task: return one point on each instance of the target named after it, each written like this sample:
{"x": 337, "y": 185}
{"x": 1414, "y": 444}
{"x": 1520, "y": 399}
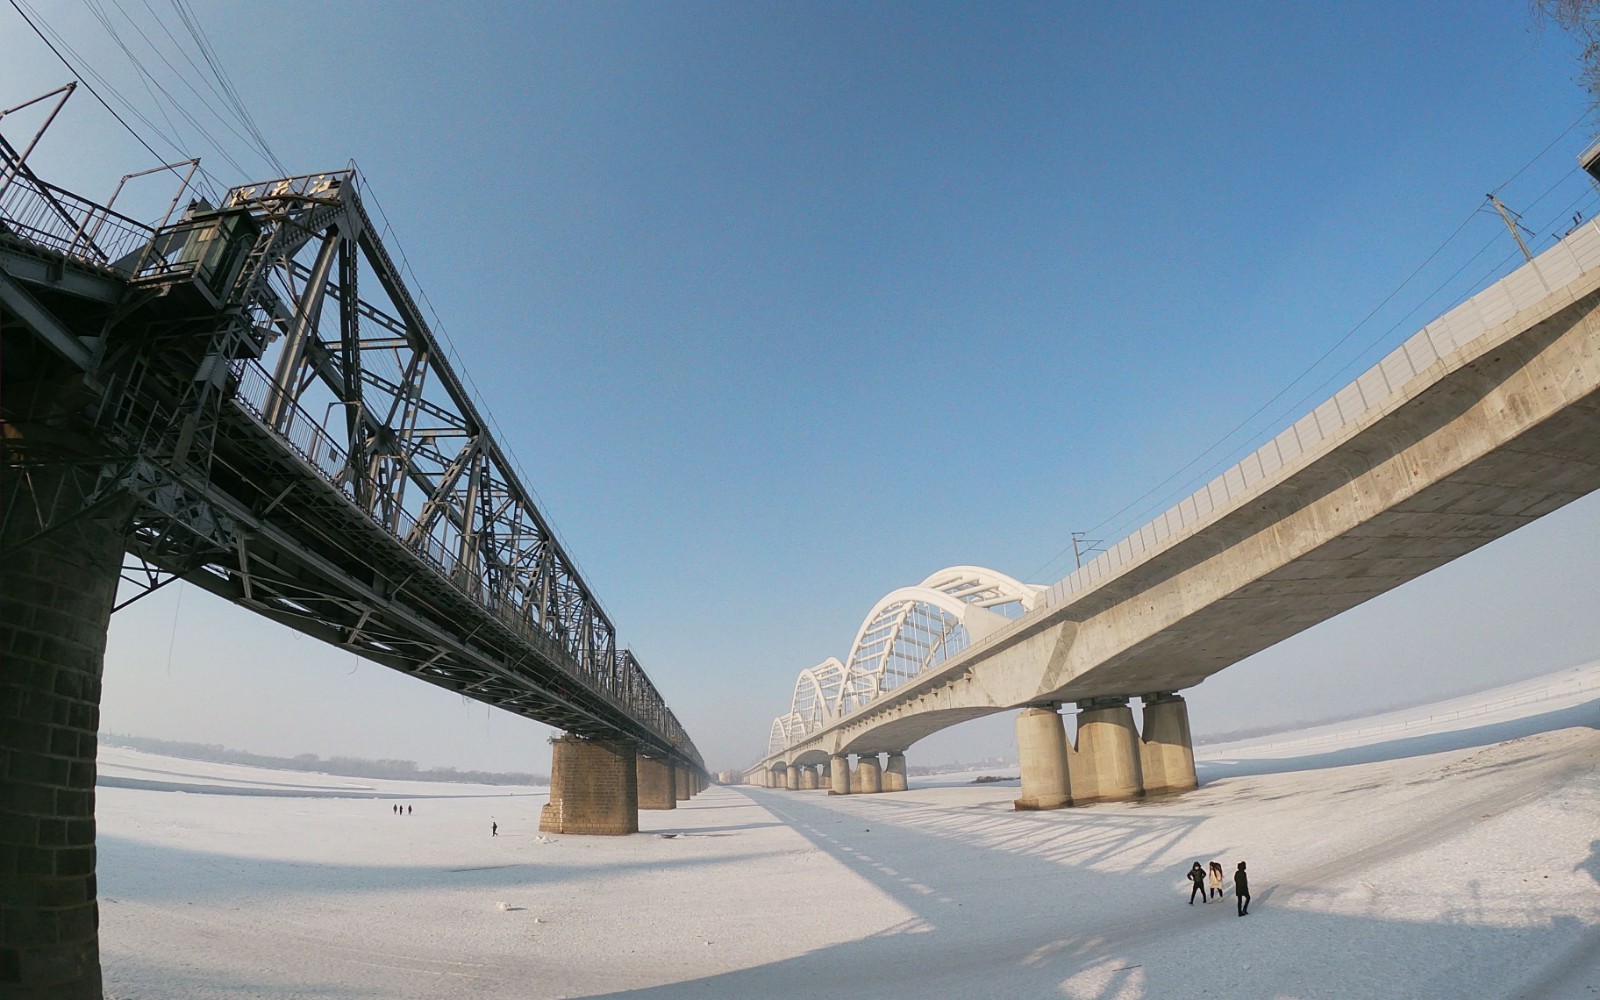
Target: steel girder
{"x": 300, "y": 445}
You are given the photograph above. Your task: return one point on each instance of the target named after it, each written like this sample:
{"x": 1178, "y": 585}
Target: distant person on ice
{"x": 408, "y": 810}
{"x": 1197, "y": 875}
{"x": 1241, "y": 889}
{"x": 494, "y": 829}
{"x": 1214, "y": 880}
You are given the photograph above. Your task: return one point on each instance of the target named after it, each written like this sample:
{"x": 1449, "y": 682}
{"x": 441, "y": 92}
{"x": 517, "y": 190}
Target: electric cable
{"x": 29, "y": 21}
{"x": 1117, "y": 516}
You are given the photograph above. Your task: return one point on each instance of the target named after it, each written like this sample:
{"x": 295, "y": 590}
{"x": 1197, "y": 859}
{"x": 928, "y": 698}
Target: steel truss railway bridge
{"x": 1487, "y": 418}
{"x": 245, "y": 396}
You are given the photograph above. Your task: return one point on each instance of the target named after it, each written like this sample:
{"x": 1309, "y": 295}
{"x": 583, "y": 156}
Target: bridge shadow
{"x": 1029, "y": 905}
{"x": 1585, "y": 715}
{"x": 1592, "y": 866}
{"x": 166, "y": 874}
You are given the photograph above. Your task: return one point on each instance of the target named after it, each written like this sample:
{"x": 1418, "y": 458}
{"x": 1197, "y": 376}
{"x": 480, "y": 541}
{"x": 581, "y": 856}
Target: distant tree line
{"x": 925, "y": 770}
{"x": 350, "y": 767}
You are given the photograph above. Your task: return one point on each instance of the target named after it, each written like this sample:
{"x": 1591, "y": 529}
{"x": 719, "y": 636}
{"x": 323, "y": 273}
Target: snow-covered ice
{"x": 1447, "y": 852}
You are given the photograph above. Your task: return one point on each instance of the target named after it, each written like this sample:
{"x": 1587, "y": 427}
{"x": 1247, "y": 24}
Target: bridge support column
{"x": 657, "y": 789}
{"x": 808, "y": 778}
{"x": 1043, "y": 752}
{"x": 56, "y": 594}
{"x": 593, "y": 788}
{"x": 824, "y": 778}
{"x": 792, "y": 778}
{"x": 680, "y": 784}
{"x": 1167, "y": 747}
{"x": 1106, "y": 766}
{"x": 894, "y": 774}
{"x": 869, "y": 774}
{"x": 839, "y": 774}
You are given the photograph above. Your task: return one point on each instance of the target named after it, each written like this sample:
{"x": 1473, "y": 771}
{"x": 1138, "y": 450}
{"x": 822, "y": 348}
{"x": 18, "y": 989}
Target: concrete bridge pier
{"x": 594, "y": 787}
{"x": 657, "y": 789}
{"x": 1107, "y": 763}
{"x": 680, "y": 783}
{"x": 792, "y": 778}
{"x": 894, "y": 774}
{"x": 1167, "y": 747}
{"x": 869, "y": 774}
{"x": 808, "y": 778}
{"x": 1043, "y": 753}
{"x": 839, "y": 775}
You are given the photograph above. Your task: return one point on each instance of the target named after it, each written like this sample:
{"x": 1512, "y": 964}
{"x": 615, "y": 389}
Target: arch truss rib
{"x": 909, "y": 631}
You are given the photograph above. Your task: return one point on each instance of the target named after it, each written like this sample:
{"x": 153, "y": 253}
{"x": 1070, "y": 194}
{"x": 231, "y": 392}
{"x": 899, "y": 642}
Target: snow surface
{"x": 1451, "y": 851}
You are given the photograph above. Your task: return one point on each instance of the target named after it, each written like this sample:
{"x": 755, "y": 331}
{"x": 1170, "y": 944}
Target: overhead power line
{"x": 1167, "y": 497}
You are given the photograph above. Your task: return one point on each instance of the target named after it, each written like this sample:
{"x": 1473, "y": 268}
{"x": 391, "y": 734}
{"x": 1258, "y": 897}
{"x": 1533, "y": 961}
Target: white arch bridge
{"x": 909, "y": 631}
{"x": 1484, "y": 420}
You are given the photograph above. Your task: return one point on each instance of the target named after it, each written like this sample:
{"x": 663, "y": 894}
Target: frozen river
{"x": 1447, "y": 852}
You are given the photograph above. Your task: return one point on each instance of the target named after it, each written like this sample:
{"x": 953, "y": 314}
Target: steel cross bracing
{"x": 297, "y": 442}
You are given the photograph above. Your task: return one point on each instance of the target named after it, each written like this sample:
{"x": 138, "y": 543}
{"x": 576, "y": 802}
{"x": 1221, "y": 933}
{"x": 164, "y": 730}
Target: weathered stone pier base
{"x": 56, "y": 594}
{"x": 593, "y": 788}
{"x": 657, "y": 787}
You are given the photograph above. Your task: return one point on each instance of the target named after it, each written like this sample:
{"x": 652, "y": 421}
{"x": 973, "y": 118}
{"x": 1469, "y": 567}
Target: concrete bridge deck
{"x": 1483, "y": 421}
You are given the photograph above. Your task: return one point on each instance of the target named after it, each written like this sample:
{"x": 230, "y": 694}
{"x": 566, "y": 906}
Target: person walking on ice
{"x": 1214, "y": 880}
{"x": 1197, "y": 875}
{"x": 1241, "y": 889}
{"x": 494, "y": 829}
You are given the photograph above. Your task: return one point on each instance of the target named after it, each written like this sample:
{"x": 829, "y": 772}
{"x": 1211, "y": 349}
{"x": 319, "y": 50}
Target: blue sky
{"x": 782, "y": 306}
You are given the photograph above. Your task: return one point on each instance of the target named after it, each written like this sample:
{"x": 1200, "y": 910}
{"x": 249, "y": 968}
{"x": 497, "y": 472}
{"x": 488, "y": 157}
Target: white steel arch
{"x": 778, "y": 738}
{"x": 916, "y": 628}
{"x": 908, "y": 631}
{"x": 816, "y": 692}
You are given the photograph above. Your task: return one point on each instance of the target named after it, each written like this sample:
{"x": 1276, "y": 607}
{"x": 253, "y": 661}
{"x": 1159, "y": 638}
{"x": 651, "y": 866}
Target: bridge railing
{"x": 624, "y": 682}
{"x": 71, "y": 225}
